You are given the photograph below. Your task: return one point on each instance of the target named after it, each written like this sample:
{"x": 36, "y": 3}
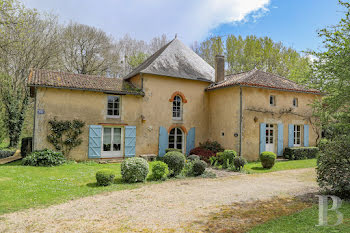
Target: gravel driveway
{"x": 168, "y": 206}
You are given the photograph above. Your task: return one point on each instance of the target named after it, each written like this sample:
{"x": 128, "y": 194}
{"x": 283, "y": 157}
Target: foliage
{"x": 204, "y": 154}
{"x": 65, "y": 135}
{"x": 6, "y": 153}
{"x": 333, "y": 167}
{"x": 175, "y": 161}
{"x": 208, "y": 174}
{"x": 159, "y": 171}
{"x": 134, "y": 170}
{"x": 244, "y": 54}
{"x": 267, "y": 159}
{"x": 187, "y": 171}
{"x": 26, "y": 146}
{"x": 172, "y": 149}
{"x": 214, "y": 146}
{"x": 193, "y": 157}
{"x": 226, "y": 157}
{"x": 255, "y": 167}
{"x": 297, "y": 153}
{"x": 239, "y": 163}
{"x": 198, "y": 167}
{"x": 44, "y": 158}
{"x": 135, "y": 60}
{"x": 105, "y": 177}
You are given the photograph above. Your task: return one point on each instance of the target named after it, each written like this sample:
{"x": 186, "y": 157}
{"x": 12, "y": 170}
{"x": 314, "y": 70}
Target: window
{"x": 111, "y": 139}
{"x": 177, "y": 108}
{"x": 297, "y": 135}
{"x": 295, "y": 102}
{"x": 113, "y": 106}
{"x": 269, "y": 133}
{"x": 176, "y": 138}
{"x": 272, "y": 100}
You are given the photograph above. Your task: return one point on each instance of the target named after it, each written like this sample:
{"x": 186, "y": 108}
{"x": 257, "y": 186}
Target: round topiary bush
{"x": 134, "y": 170}
{"x": 193, "y": 157}
{"x": 226, "y": 157}
{"x": 175, "y": 161}
{"x": 105, "y": 177}
{"x": 199, "y": 167}
{"x": 44, "y": 158}
{"x": 267, "y": 159}
{"x": 239, "y": 162}
{"x": 159, "y": 170}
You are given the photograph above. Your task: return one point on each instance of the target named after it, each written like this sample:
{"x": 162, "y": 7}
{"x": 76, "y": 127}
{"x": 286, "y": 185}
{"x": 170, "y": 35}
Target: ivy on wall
{"x": 65, "y": 135}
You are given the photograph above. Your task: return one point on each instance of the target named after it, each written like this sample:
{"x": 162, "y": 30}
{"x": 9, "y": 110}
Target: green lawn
{"x": 255, "y": 167}
{"x": 23, "y": 187}
{"x": 305, "y": 221}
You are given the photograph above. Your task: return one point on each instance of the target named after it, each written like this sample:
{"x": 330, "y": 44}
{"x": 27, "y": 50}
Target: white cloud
{"x": 144, "y": 19}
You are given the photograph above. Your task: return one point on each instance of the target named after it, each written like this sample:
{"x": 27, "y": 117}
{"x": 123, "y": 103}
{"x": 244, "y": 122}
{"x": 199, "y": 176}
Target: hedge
{"x": 298, "y": 153}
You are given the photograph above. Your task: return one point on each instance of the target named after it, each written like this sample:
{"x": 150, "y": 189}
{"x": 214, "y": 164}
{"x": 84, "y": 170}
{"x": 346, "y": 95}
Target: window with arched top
{"x": 177, "y": 108}
{"x": 176, "y": 138}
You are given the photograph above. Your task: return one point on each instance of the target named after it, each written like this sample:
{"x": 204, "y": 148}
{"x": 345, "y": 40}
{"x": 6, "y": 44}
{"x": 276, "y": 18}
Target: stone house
{"x": 175, "y": 100}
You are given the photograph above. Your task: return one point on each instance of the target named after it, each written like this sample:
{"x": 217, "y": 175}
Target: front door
{"x": 270, "y": 138}
{"x": 112, "y": 145}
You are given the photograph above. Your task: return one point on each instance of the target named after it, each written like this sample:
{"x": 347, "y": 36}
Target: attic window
{"x": 272, "y": 100}
{"x": 177, "y": 108}
{"x": 295, "y": 102}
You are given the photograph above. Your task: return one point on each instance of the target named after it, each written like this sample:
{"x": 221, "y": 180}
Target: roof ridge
{"x": 72, "y": 74}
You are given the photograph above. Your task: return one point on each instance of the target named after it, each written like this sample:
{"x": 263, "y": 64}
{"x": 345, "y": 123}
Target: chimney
{"x": 219, "y": 68}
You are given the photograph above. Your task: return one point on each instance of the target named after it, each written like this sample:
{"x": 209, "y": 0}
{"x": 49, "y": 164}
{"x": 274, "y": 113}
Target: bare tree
{"x": 157, "y": 42}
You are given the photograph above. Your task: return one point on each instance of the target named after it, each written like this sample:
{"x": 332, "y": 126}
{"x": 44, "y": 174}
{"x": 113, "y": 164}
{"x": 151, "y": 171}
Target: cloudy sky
{"x": 294, "y": 22}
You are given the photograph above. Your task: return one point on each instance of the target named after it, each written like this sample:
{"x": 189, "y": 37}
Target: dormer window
{"x": 272, "y": 100}
{"x": 177, "y": 108}
{"x": 295, "y": 102}
{"x": 113, "y": 106}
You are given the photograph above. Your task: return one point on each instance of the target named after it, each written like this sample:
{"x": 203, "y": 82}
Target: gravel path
{"x": 167, "y": 206}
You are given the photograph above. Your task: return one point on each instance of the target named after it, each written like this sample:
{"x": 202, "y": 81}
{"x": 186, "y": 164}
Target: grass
{"x": 24, "y": 187}
{"x": 306, "y": 221}
{"x": 255, "y": 167}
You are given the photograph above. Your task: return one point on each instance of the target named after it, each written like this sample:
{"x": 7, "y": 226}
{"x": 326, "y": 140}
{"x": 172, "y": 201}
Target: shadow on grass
{"x": 259, "y": 169}
{"x": 116, "y": 181}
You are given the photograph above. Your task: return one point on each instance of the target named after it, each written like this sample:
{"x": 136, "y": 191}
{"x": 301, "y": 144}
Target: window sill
{"x": 112, "y": 117}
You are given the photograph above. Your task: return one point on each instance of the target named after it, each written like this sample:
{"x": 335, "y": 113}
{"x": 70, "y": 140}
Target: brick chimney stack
{"x": 219, "y": 68}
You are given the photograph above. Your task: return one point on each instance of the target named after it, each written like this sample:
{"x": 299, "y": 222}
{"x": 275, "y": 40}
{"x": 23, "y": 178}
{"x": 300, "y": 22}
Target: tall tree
{"x": 87, "y": 50}
{"x": 27, "y": 41}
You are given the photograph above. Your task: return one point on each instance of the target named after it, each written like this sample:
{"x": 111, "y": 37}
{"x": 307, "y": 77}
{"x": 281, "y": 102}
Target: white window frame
{"x": 175, "y": 139}
{"x": 295, "y": 102}
{"x": 297, "y": 129}
{"x": 177, "y": 109}
{"x": 113, "y": 106}
{"x": 113, "y": 153}
{"x": 273, "y": 98}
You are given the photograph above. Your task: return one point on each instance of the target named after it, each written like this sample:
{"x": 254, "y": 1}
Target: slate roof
{"x": 176, "y": 60}
{"x": 47, "y": 78}
{"x": 258, "y": 78}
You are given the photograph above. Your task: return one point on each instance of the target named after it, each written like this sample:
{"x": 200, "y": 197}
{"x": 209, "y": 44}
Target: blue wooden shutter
{"x": 306, "y": 135}
{"x": 190, "y": 141}
{"x": 95, "y": 140}
{"x": 290, "y": 135}
{"x": 262, "y": 137}
{"x": 163, "y": 141}
{"x": 130, "y": 141}
{"x": 280, "y": 140}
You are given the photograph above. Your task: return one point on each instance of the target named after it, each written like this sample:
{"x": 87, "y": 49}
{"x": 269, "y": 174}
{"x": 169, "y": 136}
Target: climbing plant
{"x": 65, "y": 135}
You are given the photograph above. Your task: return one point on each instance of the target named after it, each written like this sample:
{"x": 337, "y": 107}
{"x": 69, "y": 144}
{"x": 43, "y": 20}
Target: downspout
{"x": 34, "y": 123}
{"x": 240, "y": 120}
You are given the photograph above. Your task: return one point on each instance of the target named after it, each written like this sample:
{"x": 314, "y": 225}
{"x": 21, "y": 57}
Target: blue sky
{"x": 293, "y": 22}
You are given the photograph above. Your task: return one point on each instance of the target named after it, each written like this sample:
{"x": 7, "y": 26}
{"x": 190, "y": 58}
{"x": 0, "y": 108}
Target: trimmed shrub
{"x": 173, "y": 149}
{"x": 105, "y": 177}
{"x": 203, "y": 154}
{"x": 44, "y": 158}
{"x": 226, "y": 158}
{"x": 6, "y": 153}
{"x": 267, "y": 159}
{"x": 198, "y": 167}
{"x": 193, "y": 157}
{"x": 159, "y": 170}
{"x": 214, "y": 146}
{"x": 298, "y": 153}
{"x": 333, "y": 167}
{"x": 134, "y": 170}
{"x": 175, "y": 161}
{"x": 188, "y": 168}
{"x": 26, "y": 146}
{"x": 239, "y": 163}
